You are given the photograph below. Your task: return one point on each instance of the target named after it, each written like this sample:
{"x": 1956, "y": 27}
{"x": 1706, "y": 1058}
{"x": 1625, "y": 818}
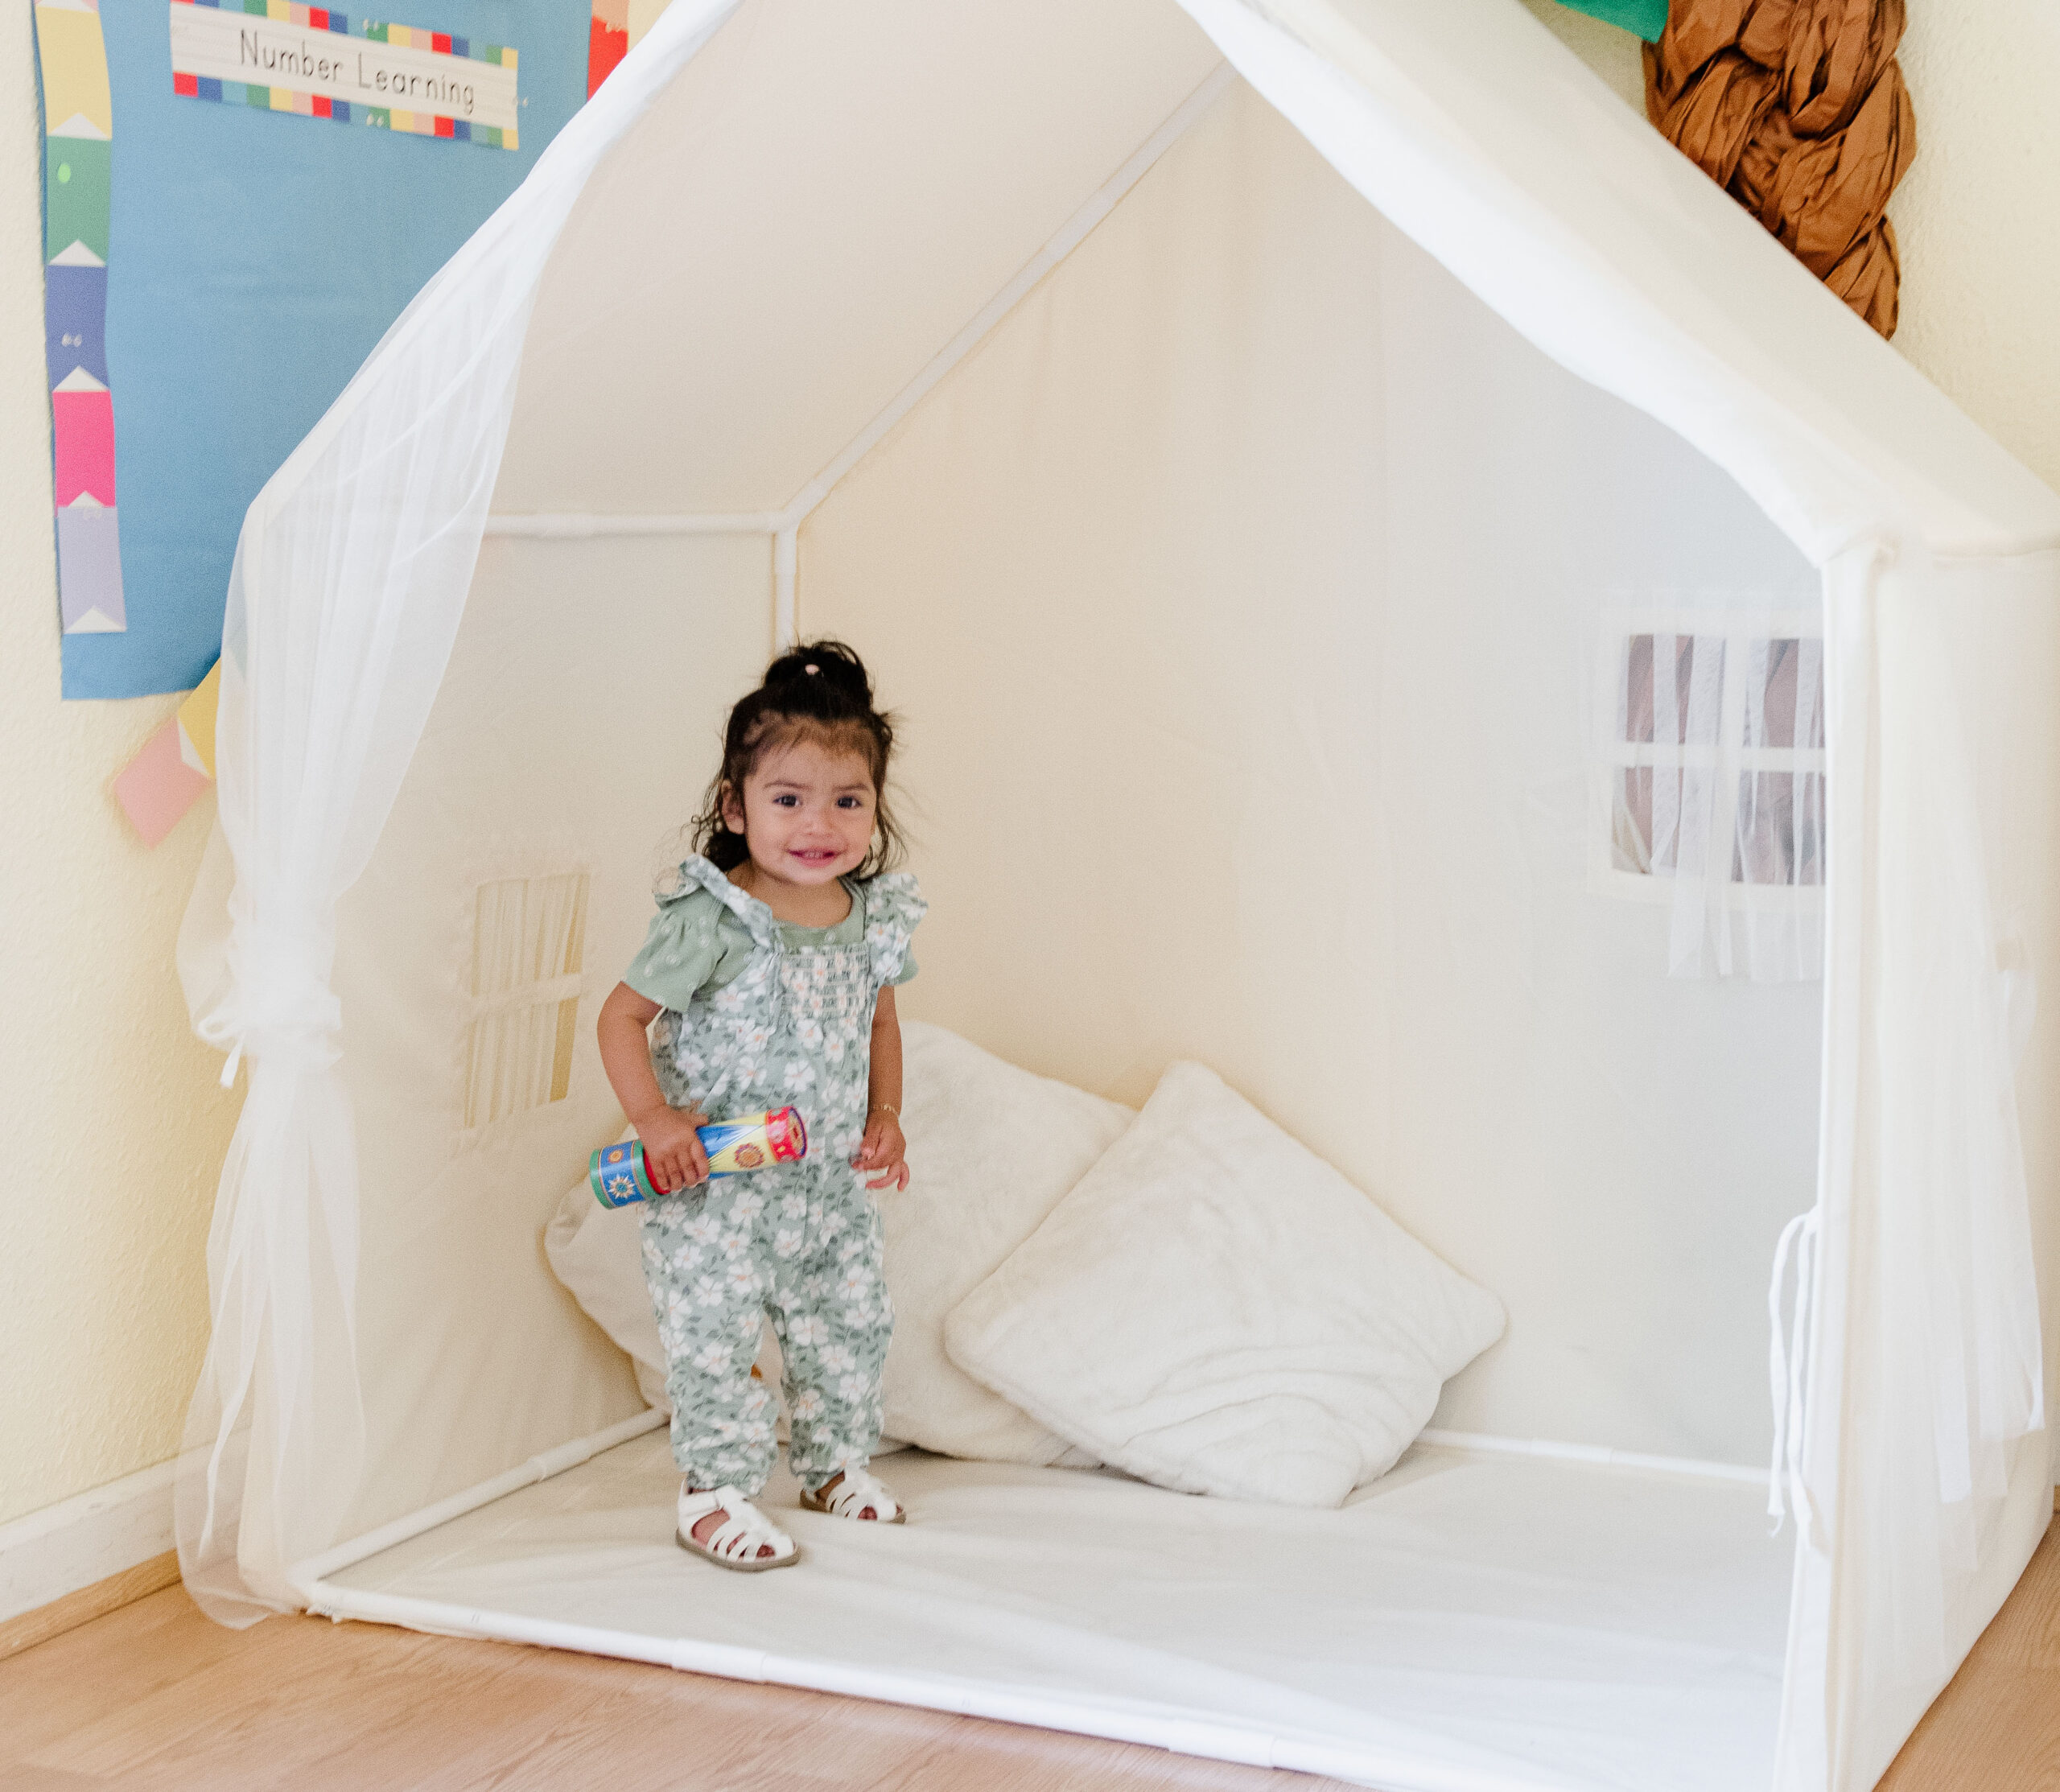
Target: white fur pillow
{"x": 597, "y": 1252}
{"x": 992, "y": 1149}
{"x": 1216, "y": 1309}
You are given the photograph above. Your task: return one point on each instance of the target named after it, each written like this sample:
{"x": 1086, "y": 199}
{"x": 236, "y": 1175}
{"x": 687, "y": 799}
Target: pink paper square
{"x": 158, "y": 786}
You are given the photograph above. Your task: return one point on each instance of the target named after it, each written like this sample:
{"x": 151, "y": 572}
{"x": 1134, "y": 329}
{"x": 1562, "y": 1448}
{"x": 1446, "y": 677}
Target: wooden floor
{"x": 154, "y": 1698}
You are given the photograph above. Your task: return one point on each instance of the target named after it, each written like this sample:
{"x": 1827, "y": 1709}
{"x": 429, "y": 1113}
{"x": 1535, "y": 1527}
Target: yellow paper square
{"x": 74, "y": 60}
{"x": 196, "y": 717}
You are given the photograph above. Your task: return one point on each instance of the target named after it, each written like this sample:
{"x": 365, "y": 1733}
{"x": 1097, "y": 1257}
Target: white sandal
{"x": 734, "y": 1544}
{"x": 852, "y": 1495}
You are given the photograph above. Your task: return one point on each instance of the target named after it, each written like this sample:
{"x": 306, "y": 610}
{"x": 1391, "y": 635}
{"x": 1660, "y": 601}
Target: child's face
{"x": 807, "y": 813}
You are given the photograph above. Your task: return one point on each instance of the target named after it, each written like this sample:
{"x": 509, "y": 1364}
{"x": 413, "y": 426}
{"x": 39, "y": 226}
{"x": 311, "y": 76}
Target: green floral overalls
{"x": 798, "y": 1243}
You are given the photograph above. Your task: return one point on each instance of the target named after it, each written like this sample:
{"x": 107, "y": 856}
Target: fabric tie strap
{"x": 1786, "y": 1371}
{"x": 279, "y": 1005}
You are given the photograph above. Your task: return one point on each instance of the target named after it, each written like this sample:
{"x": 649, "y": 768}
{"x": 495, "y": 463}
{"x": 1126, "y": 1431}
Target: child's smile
{"x": 807, "y": 814}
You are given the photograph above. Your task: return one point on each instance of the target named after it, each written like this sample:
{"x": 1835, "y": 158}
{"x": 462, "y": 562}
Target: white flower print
{"x": 793, "y": 1028}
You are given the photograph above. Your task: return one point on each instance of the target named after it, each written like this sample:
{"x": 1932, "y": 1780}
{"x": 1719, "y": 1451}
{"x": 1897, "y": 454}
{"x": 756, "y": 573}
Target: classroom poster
{"x": 253, "y": 239}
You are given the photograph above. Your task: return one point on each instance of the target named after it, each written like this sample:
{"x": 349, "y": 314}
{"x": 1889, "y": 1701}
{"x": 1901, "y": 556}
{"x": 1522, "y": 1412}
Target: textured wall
{"x": 111, "y": 1124}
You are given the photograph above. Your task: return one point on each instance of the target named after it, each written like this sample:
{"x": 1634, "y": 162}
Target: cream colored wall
{"x": 112, "y": 1128}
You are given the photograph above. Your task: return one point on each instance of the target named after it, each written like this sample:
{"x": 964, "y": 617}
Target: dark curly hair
{"x": 819, "y": 691}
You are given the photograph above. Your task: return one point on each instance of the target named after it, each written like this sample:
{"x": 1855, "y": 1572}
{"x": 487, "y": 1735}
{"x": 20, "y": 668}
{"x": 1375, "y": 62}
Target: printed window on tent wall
{"x": 529, "y": 947}
{"x": 1711, "y": 794}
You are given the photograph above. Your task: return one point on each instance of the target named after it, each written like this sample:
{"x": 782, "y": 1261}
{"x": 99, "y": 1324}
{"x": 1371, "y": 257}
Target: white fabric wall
{"x": 1239, "y": 595}
{"x": 805, "y": 215}
{"x": 538, "y": 758}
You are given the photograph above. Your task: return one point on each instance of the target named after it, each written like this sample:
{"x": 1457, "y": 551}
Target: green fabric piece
{"x": 1646, "y": 18}
{"x": 697, "y": 944}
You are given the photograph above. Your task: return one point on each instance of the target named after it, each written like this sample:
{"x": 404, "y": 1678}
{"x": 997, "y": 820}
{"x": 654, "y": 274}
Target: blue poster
{"x": 258, "y": 243}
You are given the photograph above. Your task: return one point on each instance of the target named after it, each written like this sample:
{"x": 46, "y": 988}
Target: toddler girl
{"x": 770, "y": 971}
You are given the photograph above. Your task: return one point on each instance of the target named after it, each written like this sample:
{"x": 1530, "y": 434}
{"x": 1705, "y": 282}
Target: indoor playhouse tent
{"x": 1272, "y": 452}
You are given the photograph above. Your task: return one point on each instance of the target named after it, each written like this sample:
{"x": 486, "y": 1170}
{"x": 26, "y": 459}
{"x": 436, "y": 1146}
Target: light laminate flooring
{"x": 154, "y": 1698}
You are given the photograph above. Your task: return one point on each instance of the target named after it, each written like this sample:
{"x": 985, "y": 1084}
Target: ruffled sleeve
{"x": 682, "y": 951}
{"x": 894, "y": 906}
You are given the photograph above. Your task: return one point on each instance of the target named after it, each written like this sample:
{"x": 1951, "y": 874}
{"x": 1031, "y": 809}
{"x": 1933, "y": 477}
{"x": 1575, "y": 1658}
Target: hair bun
{"x": 831, "y": 662}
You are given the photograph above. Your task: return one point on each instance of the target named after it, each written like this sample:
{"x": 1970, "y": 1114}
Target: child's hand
{"x": 673, "y": 1156}
{"x": 884, "y": 1149}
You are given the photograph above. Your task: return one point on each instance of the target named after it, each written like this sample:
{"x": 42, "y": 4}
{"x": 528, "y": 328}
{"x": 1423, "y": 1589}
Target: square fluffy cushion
{"x": 597, "y": 1252}
{"x": 992, "y": 1149}
{"x": 1216, "y": 1309}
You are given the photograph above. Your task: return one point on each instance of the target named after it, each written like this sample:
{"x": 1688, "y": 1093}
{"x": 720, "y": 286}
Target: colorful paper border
{"x": 344, "y": 112}
{"x": 607, "y": 40}
{"x": 78, "y": 127}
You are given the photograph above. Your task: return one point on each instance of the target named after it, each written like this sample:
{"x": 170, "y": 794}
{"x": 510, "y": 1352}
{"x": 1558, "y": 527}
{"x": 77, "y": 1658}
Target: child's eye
{"x": 850, "y": 802}
{"x": 787, "y": 800}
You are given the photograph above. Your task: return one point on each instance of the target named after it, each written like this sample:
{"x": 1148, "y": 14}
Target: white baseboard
{"x": 79, "y": 1541}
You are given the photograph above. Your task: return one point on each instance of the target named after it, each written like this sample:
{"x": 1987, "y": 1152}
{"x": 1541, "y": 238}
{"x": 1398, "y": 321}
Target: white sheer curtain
{"x": 350, "y": 576}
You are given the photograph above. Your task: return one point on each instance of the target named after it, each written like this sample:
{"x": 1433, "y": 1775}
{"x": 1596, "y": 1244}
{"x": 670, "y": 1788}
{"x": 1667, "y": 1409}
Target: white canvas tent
{"x": 1251, "y": 440}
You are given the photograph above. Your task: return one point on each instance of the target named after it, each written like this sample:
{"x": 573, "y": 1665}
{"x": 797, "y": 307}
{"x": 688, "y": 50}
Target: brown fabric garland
{"x": 1798, "y": 109}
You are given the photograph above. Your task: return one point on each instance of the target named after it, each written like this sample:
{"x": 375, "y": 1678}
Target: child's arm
{"x": 883, "y": 1148}
{"x": 671, "y": 1148}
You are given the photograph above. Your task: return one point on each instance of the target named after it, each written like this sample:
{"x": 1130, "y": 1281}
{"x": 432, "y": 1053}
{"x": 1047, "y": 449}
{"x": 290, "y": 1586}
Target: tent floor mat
{"x": 1468, "y": 1623}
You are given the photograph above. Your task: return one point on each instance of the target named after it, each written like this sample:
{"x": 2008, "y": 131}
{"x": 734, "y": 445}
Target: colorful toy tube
{"x": 734, "y": 1147}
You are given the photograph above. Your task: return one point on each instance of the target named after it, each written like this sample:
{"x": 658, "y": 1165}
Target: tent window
{"x": 529, "y": 945}
{"x": 1716, "y": 792}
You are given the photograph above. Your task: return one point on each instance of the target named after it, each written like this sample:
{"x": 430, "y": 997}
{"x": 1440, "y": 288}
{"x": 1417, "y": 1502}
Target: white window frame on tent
{"x": 1792, "y": 909}
{"x": 525, "y": 956}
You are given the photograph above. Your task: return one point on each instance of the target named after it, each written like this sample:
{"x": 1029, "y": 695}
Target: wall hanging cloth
{"x": 1798, "y": 109}
{"x": 1647, "y": 18}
